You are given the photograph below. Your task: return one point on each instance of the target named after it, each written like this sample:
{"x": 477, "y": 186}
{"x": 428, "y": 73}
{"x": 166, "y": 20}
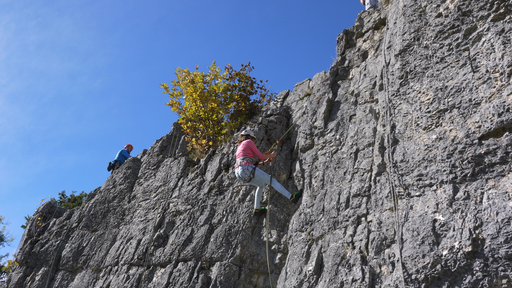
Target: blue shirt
{"x": 122, "y": 156}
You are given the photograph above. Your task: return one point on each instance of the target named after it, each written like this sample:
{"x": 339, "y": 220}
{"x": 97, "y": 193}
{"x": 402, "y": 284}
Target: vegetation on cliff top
{"x": 212, "y": 105}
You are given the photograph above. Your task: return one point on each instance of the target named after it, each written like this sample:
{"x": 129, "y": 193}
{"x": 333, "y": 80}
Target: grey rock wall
{"x": 403, "y": 150}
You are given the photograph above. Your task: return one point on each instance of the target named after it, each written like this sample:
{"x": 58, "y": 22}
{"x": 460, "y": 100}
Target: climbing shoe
{"x": 260, "y": 211}
{"x": 295, "y": 197}
{"x": 110, "y": 166}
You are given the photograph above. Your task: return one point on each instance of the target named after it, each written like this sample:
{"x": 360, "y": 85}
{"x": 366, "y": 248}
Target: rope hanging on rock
{"x": 267, "y": 220}
{"x": 279, "y": 141}
{"x": 267, "y": 224}
{"x": 392, "y": 170}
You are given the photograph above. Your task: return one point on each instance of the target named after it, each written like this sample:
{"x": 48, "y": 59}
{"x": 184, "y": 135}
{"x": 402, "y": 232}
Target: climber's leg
{"x": 257, "y": 197}
{"x": 261, "y": 178}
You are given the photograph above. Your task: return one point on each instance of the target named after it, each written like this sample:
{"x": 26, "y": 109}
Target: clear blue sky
{"x": 80, "y": 79}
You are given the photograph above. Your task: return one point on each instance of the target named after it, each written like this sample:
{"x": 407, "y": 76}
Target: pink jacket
{"x": 249, "y": 149}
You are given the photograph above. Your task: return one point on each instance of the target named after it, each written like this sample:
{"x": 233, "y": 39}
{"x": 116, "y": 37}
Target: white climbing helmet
{"x": 248, "y": 132}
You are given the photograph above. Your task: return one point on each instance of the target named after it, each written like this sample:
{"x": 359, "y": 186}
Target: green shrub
{"x": 69, "y": 202}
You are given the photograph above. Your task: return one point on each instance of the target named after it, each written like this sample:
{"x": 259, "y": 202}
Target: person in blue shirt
{"x": 120, "y": 157}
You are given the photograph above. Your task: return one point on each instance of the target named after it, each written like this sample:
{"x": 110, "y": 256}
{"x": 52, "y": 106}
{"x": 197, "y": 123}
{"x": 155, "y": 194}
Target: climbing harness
{"x": 245, "y": 169}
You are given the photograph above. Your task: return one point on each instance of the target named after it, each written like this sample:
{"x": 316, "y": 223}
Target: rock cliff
{"x": 403, "y": 150}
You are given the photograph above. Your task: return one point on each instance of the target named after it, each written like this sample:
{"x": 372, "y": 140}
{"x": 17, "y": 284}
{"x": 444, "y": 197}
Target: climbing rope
{"x": 267, "y": 224}
{"x": 394, "y": 194}
{"x": 267, "y": 219}
{"x": 279, "y": 141}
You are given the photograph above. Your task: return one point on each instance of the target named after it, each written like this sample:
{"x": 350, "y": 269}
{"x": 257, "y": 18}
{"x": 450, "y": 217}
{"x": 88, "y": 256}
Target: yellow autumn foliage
{"x": 211, "y": 106}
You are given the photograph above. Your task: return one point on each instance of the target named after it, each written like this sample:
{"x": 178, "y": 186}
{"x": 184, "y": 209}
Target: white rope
{"x": 394, "y": 195}
{"x": 267, "y": 225}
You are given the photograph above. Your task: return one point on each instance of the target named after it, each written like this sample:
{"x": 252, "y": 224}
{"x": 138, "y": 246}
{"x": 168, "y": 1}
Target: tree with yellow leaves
{"x": 212, "y": 105}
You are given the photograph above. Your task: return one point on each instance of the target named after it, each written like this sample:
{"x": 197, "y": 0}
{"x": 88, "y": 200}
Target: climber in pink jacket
{"x": 247, "y": 159}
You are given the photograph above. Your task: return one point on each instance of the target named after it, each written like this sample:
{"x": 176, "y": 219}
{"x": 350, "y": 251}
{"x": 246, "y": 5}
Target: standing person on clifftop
{"x": 121, "y": 156}
{"x": 247, "y": 159}
{"x": 370, "y": 3}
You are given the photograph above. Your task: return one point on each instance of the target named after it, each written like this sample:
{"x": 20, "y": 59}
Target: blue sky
{"x": 80, "y": 79}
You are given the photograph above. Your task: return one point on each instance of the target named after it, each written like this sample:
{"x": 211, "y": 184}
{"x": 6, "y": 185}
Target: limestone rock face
{"x": 403, "y": 150}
